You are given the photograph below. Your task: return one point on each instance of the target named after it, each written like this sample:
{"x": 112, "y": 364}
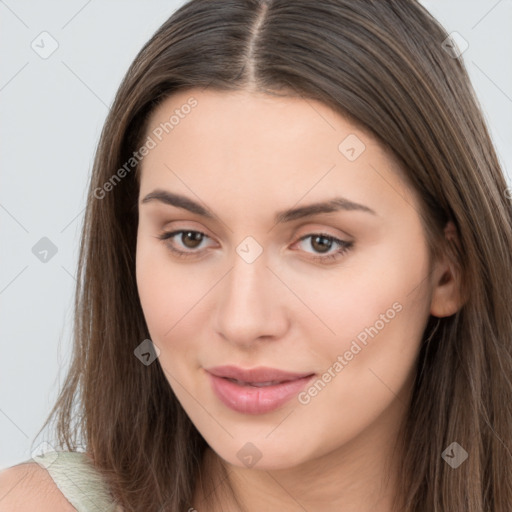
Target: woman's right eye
{"x": 187, "y": 235}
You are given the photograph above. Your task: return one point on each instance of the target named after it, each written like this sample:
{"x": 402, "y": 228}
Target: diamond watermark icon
{"x": 44, "y": 454}
{"x": 44, "y": 250}
{"x": 455, "y": 45}
{"x": 147, "y": 352}
{"x": 44, "y": 45}
{"x": 249, "y": 455}
{"x": 454, "y": 455}
{"x": 249, "y": 249}
{"x": 351, "y": 147}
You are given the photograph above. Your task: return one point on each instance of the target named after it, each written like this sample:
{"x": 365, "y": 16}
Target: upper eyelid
{"x": 344, "y": 236}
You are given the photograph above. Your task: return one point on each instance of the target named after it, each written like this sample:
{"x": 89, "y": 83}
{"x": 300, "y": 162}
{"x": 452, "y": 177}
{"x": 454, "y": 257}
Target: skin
{"x": 246, "y": 156}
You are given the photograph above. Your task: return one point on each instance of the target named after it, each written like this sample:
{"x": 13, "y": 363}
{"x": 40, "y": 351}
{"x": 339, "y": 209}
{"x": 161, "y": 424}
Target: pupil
{"x": 196, "y": 237}
{"x": 323, "y": 247}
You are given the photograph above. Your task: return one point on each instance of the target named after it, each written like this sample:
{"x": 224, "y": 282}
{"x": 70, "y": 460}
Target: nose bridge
{"x": 247, "y": 280}
{"x": 248, "y": 301}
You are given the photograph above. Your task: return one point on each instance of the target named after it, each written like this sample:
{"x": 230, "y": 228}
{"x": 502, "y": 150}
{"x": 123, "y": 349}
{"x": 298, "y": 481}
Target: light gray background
{"x": 52, "y": 111}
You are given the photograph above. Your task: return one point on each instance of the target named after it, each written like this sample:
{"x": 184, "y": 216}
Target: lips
{"x": 257, "y": 390}
{"x": 262, "y": 376}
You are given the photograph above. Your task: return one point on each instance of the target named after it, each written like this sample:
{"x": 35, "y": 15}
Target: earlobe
{"x": 446, "y": 299}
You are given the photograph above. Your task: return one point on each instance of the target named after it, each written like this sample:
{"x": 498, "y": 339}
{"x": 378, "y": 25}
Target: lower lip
{"x": 254, "y": 400}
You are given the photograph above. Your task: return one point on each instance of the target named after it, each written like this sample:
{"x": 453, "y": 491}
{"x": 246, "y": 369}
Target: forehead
{"x": 290, "y": 146}
{"x": 252, "y": 114}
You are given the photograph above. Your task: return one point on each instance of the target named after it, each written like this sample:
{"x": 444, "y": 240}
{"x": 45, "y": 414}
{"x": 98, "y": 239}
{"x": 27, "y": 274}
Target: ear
{"x": 446, "y": 299}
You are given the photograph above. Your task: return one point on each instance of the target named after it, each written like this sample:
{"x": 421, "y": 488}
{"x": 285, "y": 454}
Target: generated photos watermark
{"x": 343, "y": 360}
{"x": 151, "y": 142}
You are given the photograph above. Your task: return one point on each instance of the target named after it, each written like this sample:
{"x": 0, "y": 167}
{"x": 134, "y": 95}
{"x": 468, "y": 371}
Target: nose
{"x": 250, "y": 303}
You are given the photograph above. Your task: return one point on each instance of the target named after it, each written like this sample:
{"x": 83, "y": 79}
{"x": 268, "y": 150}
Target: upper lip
{"x": 256, "y": 375}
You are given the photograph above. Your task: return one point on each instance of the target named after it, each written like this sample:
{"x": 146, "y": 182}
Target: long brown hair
{"x": 383, "y": 65}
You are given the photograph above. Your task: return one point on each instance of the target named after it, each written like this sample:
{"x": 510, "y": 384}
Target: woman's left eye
{"x": 321, "y": 240}
{"x": 192, "y": 239}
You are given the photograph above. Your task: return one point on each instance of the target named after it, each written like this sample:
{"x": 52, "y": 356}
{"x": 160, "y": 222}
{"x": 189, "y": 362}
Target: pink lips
{"x": 245, "y": 397}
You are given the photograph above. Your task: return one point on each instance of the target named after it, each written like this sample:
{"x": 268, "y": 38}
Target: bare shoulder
{"x": 28, "y": 487}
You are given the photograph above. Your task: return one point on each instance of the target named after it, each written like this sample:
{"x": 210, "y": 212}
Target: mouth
{"x": 257, "y": 384}
{"x": 255, "y": 393}
{"x": 260, "y": 375}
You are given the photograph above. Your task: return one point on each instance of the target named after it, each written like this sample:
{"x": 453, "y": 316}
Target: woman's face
{"x": 255, "y": 287}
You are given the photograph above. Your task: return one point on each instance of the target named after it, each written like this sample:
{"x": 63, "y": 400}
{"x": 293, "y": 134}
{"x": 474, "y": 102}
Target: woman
{"x": 294, "y": 280}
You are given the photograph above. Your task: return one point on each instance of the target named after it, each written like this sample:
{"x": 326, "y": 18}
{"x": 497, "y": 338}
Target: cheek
{"x": 374, "y": 308}
{"x": 170, "y": 295}
{"x": 149, "y": 282}
{"x": 378, "y": 317}
{"x": 158, "y": 286}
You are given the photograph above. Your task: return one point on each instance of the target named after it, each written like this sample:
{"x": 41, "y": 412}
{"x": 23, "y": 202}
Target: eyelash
{"x": 344, "y": 245}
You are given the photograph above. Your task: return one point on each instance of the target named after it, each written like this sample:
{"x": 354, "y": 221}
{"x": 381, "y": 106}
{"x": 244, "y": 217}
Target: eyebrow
{"x": 329, "y": 206}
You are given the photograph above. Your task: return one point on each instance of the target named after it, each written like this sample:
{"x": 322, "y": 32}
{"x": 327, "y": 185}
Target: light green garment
{"x": 79, "y": 481}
